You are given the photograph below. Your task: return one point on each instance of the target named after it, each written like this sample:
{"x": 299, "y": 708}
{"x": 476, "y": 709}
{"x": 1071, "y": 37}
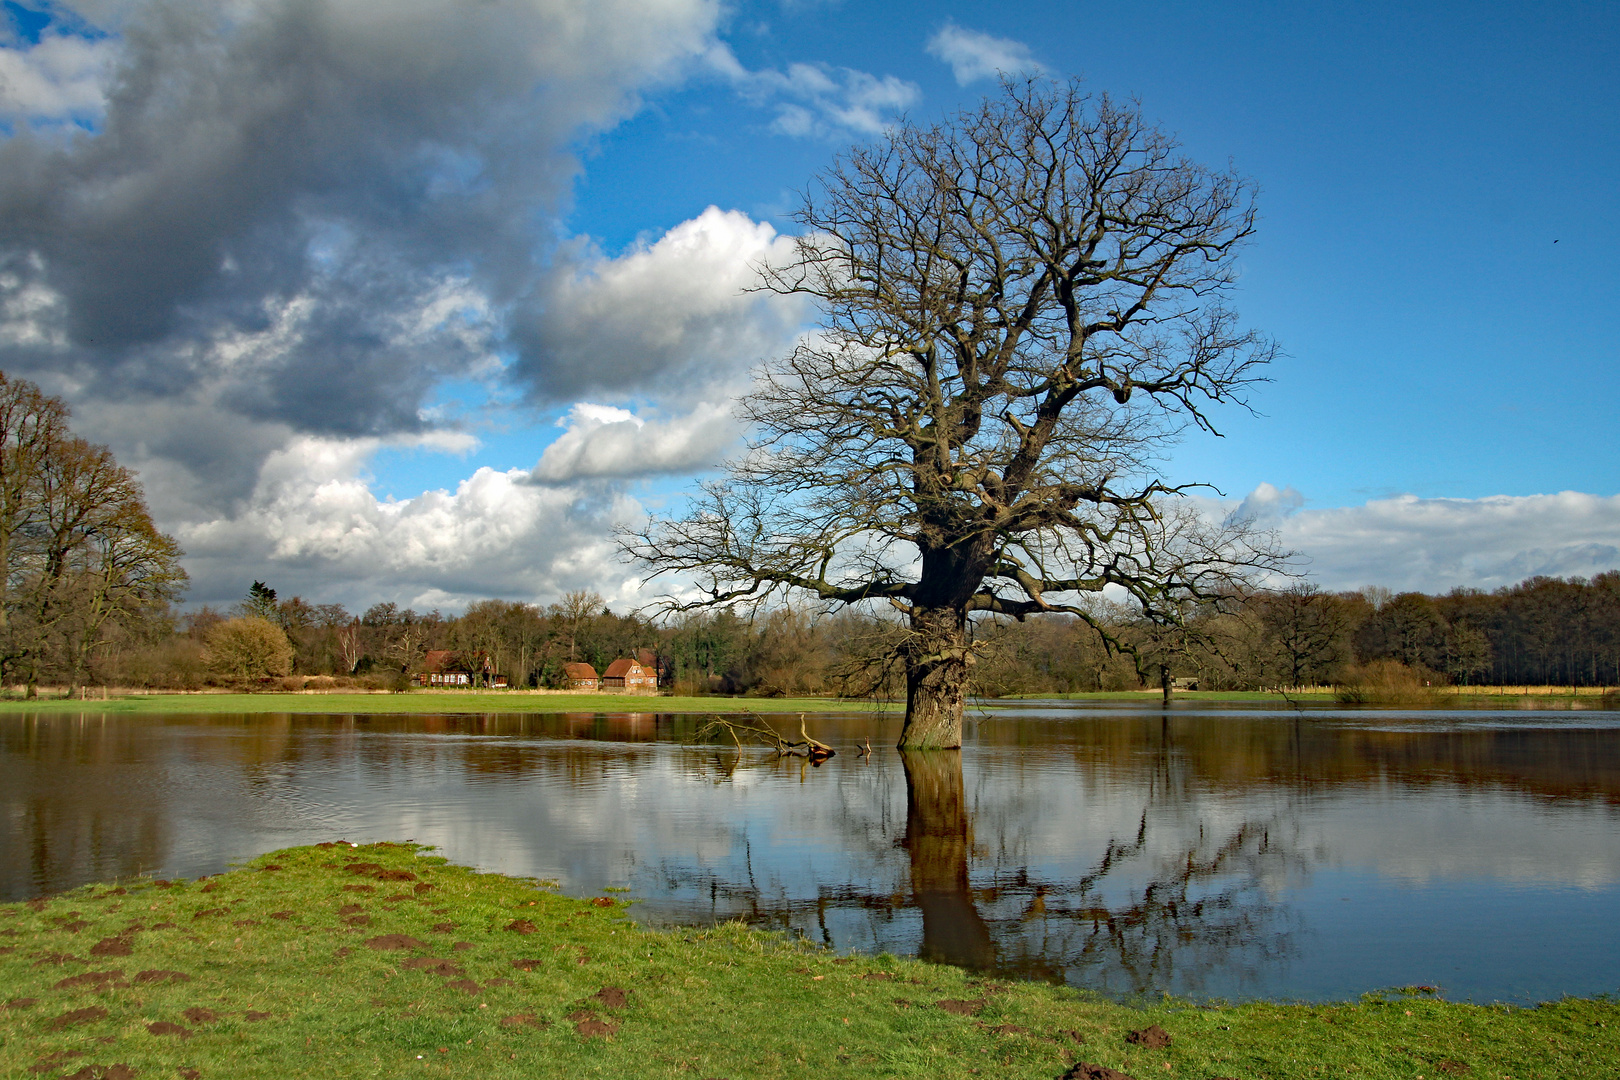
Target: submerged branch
{"x": 762, "y": 733}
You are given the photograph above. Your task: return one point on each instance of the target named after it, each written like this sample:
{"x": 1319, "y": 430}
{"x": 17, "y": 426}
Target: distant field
{"x": 452, "y": 701}
{"x": 438, "y": 702}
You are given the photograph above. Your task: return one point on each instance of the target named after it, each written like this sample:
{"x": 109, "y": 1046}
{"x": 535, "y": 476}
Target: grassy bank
{"x": 381, "y": 962}
{"x": 439, "y": 702}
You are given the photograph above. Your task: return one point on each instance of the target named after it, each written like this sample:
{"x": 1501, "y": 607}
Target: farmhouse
{"x": 626, "y": 676}
{"x": 581, "y": 677}
{"x": 446, "y": 667}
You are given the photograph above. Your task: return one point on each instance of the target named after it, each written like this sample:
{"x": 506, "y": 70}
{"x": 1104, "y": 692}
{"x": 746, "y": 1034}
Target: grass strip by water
{"x": 383, "y": 961}
{"x": 440, "y": 702}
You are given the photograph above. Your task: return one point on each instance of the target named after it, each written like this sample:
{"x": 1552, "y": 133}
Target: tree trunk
{"x": 936, "y": 659}
{"x": 937, "y": 837}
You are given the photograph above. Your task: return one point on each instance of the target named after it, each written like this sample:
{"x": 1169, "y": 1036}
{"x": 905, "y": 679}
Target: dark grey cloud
{"x": 306, "y": 213}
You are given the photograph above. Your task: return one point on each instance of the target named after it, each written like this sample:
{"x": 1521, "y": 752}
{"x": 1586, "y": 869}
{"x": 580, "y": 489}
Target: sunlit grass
{"x": 279, "y": 974}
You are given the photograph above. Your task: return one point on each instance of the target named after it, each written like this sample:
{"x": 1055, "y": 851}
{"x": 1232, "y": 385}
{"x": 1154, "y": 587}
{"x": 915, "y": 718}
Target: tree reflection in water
{"x": 1201, "y": 908}
{"x": 1173, "y": 902}
{"x": 938, "y": 836}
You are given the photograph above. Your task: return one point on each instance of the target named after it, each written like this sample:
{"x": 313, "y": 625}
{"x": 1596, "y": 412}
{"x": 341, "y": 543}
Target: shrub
{"x": 247, "y": 649}
{"x": 1387, "y": 682}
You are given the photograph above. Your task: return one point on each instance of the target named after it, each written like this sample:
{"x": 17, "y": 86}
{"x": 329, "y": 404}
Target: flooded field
{"x": 1208, "y": 851}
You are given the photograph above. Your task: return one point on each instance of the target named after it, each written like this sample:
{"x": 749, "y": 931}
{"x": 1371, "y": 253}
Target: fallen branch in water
{"x": 759, "y": 731}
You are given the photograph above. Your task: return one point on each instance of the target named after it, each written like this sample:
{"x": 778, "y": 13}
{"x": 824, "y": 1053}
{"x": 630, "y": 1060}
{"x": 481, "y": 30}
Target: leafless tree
{"x": 575, "y": 610}
{"x": 1020, "y": 306}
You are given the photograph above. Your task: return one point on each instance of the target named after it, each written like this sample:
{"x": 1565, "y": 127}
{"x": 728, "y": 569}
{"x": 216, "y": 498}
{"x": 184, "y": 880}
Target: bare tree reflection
{"x": 938, "y": 839}
{"x": 1147, "y": 915}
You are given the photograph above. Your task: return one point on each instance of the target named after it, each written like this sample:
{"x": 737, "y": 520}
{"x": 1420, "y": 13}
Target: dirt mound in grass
{"x": 521, "y": 926}
{"x": 613, "y": 997}
{"x": 589, "y": 1026}
{"x": 164, "y": 1027}
{"x": 963, "y": 1008}
{"x": 200, "y": 1015}
{"x": 121, "y": 945}
{"x": 1153, "y": 1037}
{"x": 395, "y": 941}
{"x": 528, "y": 963}
{"x": 117, "y": 1071}
{"x": 466, "y": 986}
{"x": 95, "y": 980}
{"x": 1085, "y": 1070}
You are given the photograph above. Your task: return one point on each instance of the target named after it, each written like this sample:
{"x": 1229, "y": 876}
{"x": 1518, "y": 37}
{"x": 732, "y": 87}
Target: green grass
{"x": 437, "y": 703}
{"x": 293, "y": 986}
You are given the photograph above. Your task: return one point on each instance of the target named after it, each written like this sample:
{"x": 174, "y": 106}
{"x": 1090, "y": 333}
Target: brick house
{"x": 580, "y": 677}
{"x": 446, "y": 667}
{"x": 627, "y": 676}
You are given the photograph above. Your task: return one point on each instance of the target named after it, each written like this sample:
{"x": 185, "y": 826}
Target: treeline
{"x": 1541, "y": 631}
{"x": 82, "y": 567}
{"x": 782, "y": 652}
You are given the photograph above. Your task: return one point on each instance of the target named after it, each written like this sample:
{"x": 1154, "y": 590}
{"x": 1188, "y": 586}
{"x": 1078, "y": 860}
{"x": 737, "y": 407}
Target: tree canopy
{"x": 80, "y": 556}
{"x": 1020, "y": 306}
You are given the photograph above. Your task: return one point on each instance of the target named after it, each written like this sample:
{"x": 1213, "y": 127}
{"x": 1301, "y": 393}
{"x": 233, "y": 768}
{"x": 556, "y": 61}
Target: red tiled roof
{"x": 579, "y": 671}
{"x": 622, "y": 667}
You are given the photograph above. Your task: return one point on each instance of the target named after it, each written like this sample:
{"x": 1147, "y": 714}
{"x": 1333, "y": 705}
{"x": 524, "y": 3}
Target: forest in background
{"x": 1543, "y": 631}
{"x": 89, "y": 585}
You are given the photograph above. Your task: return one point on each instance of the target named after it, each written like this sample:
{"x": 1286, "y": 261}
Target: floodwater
{"x": 1204, "y": 851}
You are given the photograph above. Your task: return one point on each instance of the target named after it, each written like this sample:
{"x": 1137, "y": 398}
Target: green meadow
{"x": 386, "y": 961}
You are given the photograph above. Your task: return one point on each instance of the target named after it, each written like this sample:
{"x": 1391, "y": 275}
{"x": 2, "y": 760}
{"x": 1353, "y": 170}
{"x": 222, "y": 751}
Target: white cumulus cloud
{"x": 313, "y": 527}
{"x": 676, "y": 318}
{"x": 60, "y": 78}
{"x": 974, "y": 55}
{"x": 603, "y": 442}
{"x": 1434, "y": 545}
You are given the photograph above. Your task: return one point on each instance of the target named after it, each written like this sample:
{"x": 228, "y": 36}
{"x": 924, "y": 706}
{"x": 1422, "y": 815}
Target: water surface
{"x": 1206, "y": 851}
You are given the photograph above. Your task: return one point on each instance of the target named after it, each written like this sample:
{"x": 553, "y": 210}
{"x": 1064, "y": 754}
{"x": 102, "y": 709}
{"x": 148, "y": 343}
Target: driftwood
{"x": 754, "y": 729}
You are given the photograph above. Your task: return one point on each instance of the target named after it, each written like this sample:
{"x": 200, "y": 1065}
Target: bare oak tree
{"x": 1019, "y": 307}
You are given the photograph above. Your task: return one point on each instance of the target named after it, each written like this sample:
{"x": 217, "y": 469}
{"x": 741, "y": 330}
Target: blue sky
{"x": 1437, "y": 213}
